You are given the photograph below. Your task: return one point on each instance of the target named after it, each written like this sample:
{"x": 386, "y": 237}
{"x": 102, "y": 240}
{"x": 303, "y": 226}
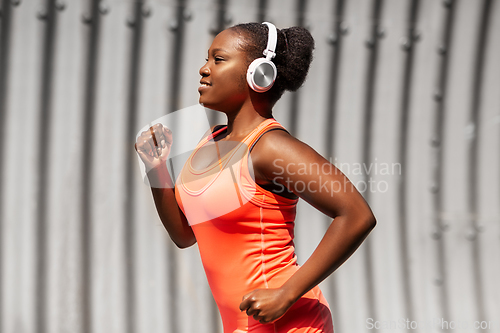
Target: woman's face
{"x": 223, "y": 84}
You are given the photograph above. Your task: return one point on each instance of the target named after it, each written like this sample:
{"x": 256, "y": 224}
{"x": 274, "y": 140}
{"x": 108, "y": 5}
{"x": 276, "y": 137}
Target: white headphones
{"x": 262, "y": 72}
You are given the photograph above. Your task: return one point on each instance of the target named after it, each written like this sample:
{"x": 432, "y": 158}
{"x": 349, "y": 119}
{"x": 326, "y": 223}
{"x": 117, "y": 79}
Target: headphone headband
{"x": 272, "y": 40}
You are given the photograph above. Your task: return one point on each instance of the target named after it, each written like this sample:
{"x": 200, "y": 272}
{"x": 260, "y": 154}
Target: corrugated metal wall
{"x": 409, "y": 89}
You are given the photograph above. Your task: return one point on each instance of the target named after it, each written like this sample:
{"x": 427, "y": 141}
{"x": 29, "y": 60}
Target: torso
{"x": 244, "y": 232}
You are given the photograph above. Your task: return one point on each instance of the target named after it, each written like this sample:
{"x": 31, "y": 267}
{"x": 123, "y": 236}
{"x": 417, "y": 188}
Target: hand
{"x": 153, "y": 145}
{"x": 266, "y": 305}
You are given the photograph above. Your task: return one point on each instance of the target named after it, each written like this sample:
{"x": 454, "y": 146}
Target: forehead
{"x": 229, "y": 41}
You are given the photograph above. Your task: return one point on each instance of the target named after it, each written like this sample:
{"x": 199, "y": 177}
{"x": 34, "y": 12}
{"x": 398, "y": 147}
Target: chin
{"x": 203, "y": 101}
{"x": 207, "y": 105}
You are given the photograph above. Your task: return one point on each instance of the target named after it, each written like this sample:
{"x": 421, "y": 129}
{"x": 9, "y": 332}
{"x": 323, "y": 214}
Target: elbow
{"x": 184, "y": 243}
{"x": 364, "y": 221}
{"x": 370, "y": 222}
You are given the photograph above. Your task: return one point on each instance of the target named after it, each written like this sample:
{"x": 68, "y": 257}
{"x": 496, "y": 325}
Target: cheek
{"x": 242, "y": 83}
{"x": 236, "y": 82}
{"x": 237, "y": 74}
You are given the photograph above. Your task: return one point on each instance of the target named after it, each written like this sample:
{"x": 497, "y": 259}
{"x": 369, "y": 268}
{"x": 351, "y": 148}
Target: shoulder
{"x": 281, "y": 159}
{"x": 277, "y": 150}
{"x": 280, "y": 143}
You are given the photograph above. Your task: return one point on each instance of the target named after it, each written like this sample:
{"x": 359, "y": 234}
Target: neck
{"x": 242, "y": 122}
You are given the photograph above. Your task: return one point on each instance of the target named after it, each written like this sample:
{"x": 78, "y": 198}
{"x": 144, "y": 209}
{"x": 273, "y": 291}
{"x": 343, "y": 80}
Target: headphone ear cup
{"x": 261, "y": 74}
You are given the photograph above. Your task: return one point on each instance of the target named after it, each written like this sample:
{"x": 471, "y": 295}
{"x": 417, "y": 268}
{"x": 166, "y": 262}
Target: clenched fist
{"x": 266, "y": 305}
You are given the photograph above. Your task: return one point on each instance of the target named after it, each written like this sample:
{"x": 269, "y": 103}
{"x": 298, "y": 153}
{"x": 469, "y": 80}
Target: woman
{"x": 238, "y": 201}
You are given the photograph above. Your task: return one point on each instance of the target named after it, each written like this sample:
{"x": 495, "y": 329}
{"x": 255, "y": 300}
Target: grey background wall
{"x": 409, "y": 89}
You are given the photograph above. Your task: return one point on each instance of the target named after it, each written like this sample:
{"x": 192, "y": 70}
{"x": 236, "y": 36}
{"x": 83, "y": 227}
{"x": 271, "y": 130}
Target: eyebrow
{"x": 217, "y": 50}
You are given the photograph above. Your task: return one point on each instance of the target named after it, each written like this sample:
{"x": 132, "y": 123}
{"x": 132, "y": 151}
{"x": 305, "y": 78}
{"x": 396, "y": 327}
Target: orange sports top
{"x": 245, "y": 236}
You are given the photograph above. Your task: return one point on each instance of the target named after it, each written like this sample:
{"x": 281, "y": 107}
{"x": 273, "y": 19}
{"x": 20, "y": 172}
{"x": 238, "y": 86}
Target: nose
{"x": 204, "y": 70}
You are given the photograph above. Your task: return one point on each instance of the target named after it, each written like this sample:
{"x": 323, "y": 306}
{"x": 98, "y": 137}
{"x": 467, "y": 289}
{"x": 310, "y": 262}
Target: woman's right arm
{"x": 153, "y": 147}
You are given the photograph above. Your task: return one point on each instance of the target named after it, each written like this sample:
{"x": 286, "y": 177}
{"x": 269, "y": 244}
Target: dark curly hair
{"x": 294, "y": 53}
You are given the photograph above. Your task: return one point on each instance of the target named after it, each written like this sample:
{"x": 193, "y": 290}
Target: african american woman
{"x": 237, "y": 193}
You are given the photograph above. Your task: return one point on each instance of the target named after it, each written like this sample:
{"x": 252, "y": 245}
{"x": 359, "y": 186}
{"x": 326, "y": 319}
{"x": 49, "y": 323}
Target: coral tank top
{"x": 245, "y": 234}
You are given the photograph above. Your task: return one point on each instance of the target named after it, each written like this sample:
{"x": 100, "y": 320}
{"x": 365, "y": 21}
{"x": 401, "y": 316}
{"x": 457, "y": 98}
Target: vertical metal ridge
{"x": 372, "y": 45}
{"x": 261, "y": 13}
{"x": 335, "y": 41}
{"x": 173, "y": 287}
{"x": 221, "y": 17}
{"x": 177, "y": 56}
{"x": 473, "y": 154}
{"x": 437, "y": 142}
{"x": 301, "y": 12}
{"x": 5, "y": 30}
{"x": 294, "y": 106}
{"x": 408, "y": 48}
{"x": 48, "y": 15}
{"x": 129, "y": 207}
{"x": 90, "y": 84}
{"x": 331, "y": 102}
{"x": 174, "y": 104}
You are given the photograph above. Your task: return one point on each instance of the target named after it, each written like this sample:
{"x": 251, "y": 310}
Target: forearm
{"x": 339, "y": 243}
{"x": 169, "y": 212}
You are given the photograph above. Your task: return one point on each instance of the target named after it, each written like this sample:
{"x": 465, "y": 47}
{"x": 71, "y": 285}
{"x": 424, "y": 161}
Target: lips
{"x": 203, "y": 85}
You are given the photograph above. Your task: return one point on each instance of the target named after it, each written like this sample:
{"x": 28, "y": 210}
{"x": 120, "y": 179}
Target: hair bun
{"x": 298, "y": 55}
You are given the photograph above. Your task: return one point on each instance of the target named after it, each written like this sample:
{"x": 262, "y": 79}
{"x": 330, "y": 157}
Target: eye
{"x": 206, "y": 59}
{"x": 217, "y": 59}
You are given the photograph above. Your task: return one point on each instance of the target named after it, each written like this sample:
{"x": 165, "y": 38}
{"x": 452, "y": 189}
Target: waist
{"x": 241, "y": 255}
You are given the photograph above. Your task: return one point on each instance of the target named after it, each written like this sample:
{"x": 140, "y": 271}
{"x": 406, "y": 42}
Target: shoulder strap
{"x": 216, "y": 130}
{"x": 267, "y": 130}
{"x": 217, "y": 127}
{"x": 209, "y": 133}
{"x": 268, "y": 125}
